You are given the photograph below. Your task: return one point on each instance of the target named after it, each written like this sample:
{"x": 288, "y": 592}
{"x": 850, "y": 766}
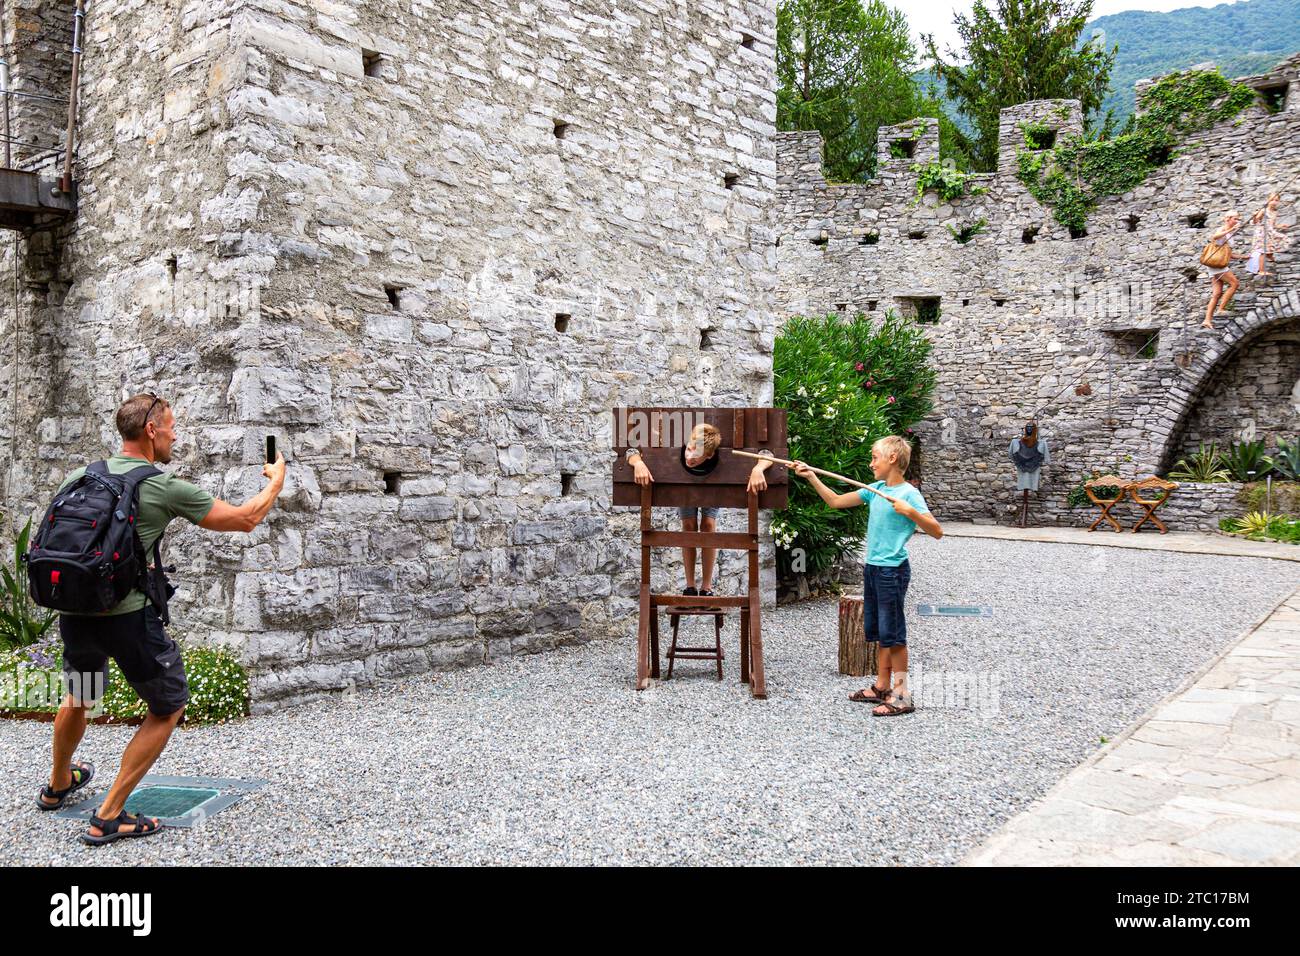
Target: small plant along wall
{"x": 945, "y": 179}
{"x": 1073, "y": 175}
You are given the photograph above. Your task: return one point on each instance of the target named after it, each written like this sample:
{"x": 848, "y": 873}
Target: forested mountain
{"x": 1241, "y": 38}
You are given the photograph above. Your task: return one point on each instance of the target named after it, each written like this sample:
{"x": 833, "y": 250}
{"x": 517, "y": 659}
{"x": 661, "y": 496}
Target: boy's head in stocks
{"x": 702, "y": 445}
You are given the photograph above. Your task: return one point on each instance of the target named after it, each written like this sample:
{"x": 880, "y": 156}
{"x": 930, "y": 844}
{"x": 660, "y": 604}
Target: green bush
{"x": 1283, "y": 498}
{"x": 21, "y": 621}
{"x": 218, "y": 683}
{"x": 844, "y": 384}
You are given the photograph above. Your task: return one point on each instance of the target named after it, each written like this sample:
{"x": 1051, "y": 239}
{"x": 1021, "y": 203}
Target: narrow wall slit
{"x": 392, "y": 482}
{"x": 1273, "y": 97}
{"x": 923, "y": 309}
{"x": 1041, "y": 138}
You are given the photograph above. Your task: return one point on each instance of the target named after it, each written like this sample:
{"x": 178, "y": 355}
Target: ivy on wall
{"x": 1074, "y": 175}
{"x": 945, "y": 179}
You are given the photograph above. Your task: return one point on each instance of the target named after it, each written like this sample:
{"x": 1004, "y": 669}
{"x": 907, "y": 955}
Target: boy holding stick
{"x": 895, "y": 516}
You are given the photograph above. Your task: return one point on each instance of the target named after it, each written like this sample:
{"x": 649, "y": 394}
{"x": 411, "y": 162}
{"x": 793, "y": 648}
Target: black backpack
{"x": 87, "y": 556}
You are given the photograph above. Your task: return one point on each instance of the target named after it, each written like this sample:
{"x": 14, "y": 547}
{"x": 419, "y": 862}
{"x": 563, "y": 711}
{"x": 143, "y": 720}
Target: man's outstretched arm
{"x": 227, "y": 517}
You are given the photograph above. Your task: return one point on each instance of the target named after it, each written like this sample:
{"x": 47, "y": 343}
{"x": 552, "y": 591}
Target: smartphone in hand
{"x": 270, "y": 449}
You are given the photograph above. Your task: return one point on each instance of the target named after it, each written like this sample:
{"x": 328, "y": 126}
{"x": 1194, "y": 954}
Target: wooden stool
{"x": 714, "y": 653}
{"x": 857, "y": 657}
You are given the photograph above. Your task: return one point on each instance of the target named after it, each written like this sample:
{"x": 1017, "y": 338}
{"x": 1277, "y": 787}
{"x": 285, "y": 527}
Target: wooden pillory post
{"x": 661, "y": 435}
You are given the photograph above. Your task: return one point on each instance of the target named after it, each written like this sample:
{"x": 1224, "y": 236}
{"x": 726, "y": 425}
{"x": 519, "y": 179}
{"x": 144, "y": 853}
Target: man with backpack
{"x": 89, "y": 560}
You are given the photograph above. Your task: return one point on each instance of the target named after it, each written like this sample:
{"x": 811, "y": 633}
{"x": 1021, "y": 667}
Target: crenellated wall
{"x": 1035, "y": 321}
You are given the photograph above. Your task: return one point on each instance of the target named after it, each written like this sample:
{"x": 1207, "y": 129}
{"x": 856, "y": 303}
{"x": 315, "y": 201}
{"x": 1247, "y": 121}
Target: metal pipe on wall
{"x": 66, "y": 183}
{"x": 4, "y": 86}
{"x": 4, "y": 83}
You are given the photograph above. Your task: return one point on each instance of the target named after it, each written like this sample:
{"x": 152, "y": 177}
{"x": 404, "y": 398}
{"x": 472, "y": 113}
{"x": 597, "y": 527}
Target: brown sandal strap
{"x": 860, "y": 696}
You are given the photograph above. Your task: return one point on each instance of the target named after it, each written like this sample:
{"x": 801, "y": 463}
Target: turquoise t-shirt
{"x": 887, "y": 530}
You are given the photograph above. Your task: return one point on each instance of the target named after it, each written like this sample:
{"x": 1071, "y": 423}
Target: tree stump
{"x": 857, "y": 657}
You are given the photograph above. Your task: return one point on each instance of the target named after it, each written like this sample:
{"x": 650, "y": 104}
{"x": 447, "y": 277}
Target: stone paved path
{"x": 1210, "y": 776}
{"x": 1190, "y": 542}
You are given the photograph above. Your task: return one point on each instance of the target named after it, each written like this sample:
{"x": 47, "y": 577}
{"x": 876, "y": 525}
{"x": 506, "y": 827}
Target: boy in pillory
{"x": 897, "y": 511}
{"x": 699, "y": 457}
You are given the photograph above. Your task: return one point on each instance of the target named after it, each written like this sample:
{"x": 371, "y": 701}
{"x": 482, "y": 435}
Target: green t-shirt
{"x": 161, "y": 499}
{"x": 888, "y": 531}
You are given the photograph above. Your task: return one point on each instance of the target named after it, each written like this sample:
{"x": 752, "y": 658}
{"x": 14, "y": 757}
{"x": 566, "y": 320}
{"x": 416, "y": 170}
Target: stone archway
{"x": 1182, "y": 397}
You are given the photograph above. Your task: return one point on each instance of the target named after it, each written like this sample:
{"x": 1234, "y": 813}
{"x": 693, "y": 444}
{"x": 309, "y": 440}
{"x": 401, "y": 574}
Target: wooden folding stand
{"x": 1161, "y": 487}
{"x": 1105, "y": 504}
{"x": 660, "y": 434}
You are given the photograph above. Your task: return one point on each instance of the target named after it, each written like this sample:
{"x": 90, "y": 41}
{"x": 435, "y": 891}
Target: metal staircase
{"x": 36, "y": 184}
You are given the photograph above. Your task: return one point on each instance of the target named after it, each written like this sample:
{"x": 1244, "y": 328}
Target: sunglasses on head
{"x": 152, "y": 406}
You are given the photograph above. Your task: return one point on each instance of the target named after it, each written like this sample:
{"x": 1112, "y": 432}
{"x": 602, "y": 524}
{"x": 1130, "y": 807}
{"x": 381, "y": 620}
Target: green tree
{"x": 844, "y": 68}
{"x": 1016, "y": 51}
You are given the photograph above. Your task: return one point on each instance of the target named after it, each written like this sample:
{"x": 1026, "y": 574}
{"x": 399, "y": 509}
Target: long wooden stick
{"x": 828, "y": 474}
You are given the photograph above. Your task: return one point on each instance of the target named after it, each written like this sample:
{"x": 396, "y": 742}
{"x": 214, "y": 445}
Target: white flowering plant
{"x": 844, "y": 384}
{"x": 218, "y": 683}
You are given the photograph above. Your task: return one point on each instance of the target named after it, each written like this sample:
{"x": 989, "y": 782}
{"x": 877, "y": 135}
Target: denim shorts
{"x": 705, "y": 512}
{"x": 149, "y": 659}
{"x": 884, "y": 591}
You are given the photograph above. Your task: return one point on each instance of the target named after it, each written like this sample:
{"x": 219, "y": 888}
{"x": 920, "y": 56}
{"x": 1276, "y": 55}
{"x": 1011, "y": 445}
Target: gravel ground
{"x": 555, "y": 758}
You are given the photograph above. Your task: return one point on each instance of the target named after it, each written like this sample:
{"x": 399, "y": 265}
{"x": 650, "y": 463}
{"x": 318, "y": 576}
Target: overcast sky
{"x": 935, "y": 16}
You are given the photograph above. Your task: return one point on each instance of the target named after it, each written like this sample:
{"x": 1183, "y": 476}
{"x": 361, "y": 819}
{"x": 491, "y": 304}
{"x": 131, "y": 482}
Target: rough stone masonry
{"x": 428, "y": 246}
{"x": 1028, "y": 319}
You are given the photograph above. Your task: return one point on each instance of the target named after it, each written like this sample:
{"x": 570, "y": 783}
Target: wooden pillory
{"x": 661, "y": 434}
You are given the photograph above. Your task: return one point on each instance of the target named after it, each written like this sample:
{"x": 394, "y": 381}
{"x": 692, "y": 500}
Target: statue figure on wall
{"x": 1029, "y": 454}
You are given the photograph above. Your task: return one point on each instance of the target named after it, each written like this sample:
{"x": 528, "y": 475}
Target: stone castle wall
{"x": 1037, "y": 322}
{"x": 429, "y": 247}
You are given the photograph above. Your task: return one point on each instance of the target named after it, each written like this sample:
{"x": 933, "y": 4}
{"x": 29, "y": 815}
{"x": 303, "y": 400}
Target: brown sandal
{"x": 872, "y": 696}
{"x": 896, "y": 707}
